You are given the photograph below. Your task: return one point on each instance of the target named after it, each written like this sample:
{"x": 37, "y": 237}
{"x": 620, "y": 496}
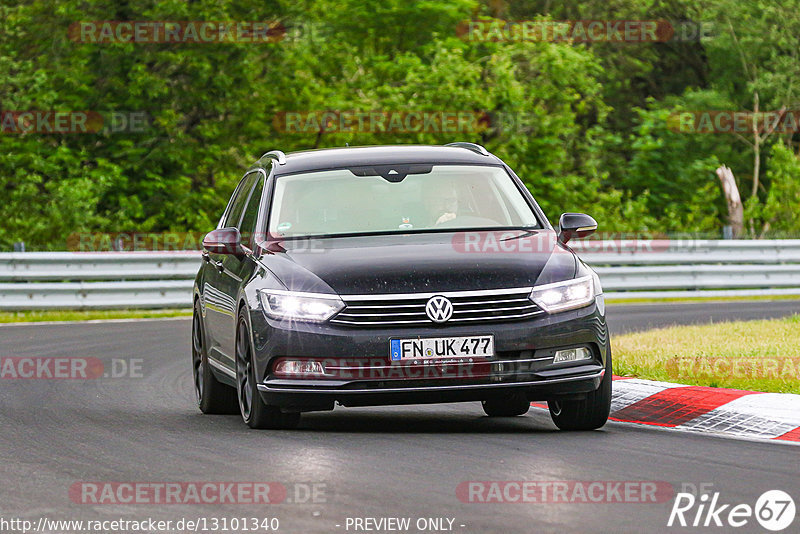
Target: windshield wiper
{"x": 525, "y": 233}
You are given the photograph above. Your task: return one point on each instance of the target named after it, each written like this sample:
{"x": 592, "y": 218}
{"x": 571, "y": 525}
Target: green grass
{"x": 633, "y": 300}
{"x": 87, "y": 315}
{"x": 751, "y": 355}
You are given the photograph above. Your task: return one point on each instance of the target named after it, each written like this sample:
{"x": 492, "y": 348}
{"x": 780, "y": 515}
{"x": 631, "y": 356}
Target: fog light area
{"x": 299, "y": 368}
{"x": 571, "y": 355}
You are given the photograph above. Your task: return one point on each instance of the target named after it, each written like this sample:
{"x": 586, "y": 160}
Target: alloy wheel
{"x": 244, "y": 371}
{"x": 197, "y": 358}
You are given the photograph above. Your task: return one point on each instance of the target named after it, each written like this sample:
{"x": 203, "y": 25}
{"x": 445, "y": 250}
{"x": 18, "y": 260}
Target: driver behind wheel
{"x": 441, "y": 202}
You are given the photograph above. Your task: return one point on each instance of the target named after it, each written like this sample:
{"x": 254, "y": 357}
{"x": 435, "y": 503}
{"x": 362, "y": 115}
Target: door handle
{"x": 220, "y": 266}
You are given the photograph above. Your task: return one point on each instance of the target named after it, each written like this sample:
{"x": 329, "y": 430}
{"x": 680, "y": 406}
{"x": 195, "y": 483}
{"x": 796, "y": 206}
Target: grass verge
{"x": 87, "y": 315}
{"x": 766, "y": 298}
{"x": 751, "y": 355}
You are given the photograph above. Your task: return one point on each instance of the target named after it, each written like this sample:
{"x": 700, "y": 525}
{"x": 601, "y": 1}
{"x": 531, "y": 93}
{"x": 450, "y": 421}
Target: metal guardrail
{"x": 46, "y": 266}
{"x": 688, "y": 252}
{"x": 70, "y": 280}
{"x": 628, "y": 269}
{"x": 671, "y": 268}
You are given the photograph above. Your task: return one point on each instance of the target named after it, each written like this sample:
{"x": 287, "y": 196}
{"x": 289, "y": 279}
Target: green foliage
{"x": 586, "y": 126}
{"x": 676, "y": 173}
{"x": 779, "y": 211}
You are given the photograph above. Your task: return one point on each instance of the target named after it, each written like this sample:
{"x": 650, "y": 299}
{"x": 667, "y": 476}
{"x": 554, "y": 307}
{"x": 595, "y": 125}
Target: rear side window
{"x": 234, "y": 214}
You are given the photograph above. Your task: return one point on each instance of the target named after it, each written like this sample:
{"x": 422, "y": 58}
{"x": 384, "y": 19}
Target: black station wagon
{"x": 396, "y": 275}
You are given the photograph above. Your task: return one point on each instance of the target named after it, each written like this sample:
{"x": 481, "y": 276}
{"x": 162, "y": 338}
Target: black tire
{"x": 588, "y": 414}
{"x": 511, "y": 406}
{"x": 213, "y": 397}
{"x": 255, "y": 413}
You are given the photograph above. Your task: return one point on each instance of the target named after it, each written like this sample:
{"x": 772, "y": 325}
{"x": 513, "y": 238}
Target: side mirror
{"x": 575, "y": 225}
{"x": 224, "y": 241}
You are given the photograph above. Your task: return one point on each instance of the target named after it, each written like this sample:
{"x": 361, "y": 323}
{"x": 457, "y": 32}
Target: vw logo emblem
{"x": 439, "y": 309}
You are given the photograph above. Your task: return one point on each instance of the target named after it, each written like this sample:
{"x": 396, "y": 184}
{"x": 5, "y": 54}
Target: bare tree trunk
{"x": 733, "y": 200}
{"x": 756, "y": 146}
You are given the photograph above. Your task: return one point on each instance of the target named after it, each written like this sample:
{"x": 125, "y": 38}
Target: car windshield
{"x": 397, "y": 199}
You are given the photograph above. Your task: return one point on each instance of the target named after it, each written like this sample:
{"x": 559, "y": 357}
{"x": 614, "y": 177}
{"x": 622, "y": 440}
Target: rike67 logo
{"x": 774, "y": 510}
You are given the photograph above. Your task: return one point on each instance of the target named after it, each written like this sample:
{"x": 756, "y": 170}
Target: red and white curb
{"x": 729, "y": 412}
{"x": 747, "y": 414}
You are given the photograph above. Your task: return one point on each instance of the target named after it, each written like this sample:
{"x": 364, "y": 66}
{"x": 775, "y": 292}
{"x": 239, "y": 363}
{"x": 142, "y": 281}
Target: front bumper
{"x": 364, "y": 375}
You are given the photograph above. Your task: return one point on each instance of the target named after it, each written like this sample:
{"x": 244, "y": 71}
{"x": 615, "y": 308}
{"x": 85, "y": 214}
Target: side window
{"x": 251, "y": 210}
{"x": 238, "y": 201}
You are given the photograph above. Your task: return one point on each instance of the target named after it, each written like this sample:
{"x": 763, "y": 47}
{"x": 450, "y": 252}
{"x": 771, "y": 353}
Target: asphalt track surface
{"x": 634, "y": 317}
{"x": 366, "y": 462}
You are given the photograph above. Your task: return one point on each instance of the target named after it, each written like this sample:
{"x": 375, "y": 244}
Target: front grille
{"x": 409, "y": 309}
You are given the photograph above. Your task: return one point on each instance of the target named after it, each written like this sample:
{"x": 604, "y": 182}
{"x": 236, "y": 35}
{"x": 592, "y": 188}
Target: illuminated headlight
{"x": 286, "y": 305}
{"x": 566, "y": 295}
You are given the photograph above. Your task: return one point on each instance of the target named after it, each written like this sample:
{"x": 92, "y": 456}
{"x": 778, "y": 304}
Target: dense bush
{"x": 587, "y": 126}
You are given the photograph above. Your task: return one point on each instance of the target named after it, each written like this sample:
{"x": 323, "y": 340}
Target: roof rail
{"x": 277, "y": 155}
{"x": 478, "y": 149}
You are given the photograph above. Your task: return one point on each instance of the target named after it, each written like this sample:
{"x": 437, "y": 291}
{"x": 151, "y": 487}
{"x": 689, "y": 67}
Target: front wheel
{"x": 213, "y": 397}
{"x": 586, "y": 414}
{"x": 255, "y": 413}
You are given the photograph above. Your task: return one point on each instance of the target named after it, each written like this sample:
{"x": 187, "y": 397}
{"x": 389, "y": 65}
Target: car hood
{"x": 420, "y": 263}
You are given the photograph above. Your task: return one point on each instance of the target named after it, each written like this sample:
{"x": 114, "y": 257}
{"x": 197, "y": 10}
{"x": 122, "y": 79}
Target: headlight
{"x": 566, "y": 295}
{"x": 285, "y": 305}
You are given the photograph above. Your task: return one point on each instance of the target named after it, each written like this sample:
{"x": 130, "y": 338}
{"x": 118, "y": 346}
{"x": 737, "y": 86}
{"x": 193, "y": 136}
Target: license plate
{"x": 441, "y": 348}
